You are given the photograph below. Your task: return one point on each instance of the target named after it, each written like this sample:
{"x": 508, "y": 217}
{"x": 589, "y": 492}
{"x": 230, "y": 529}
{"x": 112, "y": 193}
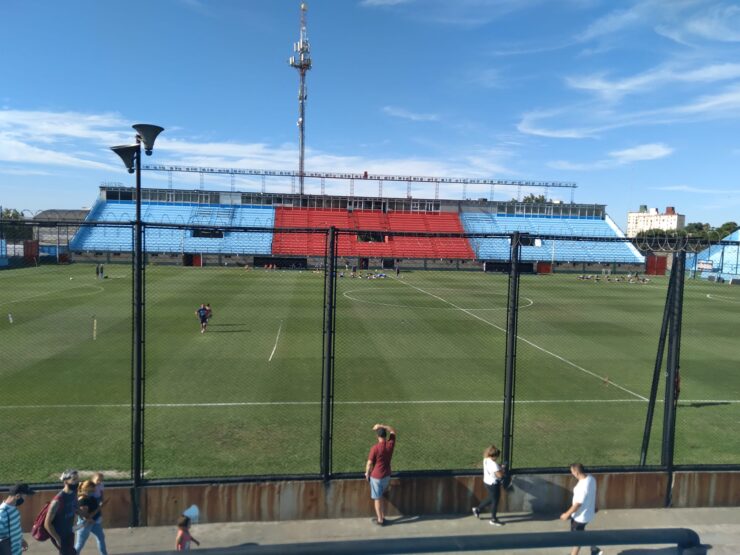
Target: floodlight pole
{"x": 512, "y": 317}
{"x": 131, "y": 156}
{"x": 138, "y": 369}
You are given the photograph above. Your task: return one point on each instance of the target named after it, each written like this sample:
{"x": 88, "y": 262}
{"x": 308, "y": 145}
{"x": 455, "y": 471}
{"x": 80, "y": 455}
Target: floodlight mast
{"x": 302, "y": 62}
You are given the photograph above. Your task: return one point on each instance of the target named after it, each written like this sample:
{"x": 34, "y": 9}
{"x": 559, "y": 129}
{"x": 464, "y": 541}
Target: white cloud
{"x": 718, "y": 23}
{"x": 12, "y": 150}
{"x": 692, "y": 189}
{"x": 725, "y": 102}
{"x": 402, "y": 113}
{"x": 654, "y": 79}
{"x": 722, "y": 104}
{"x": 528, "y": 126}
{"x": 652, "y": 151}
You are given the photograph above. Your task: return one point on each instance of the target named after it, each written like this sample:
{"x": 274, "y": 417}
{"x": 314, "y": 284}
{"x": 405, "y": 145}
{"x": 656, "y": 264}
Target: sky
{"x": 636, "y": 101}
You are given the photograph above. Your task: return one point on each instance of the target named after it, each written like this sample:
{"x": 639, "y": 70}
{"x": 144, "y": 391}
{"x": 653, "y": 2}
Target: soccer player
{"x": 209, "y": 312}
{"x": 202, "y": 314}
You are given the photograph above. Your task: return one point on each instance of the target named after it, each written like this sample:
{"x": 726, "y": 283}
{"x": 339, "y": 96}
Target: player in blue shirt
{"x": 202, "y": 314}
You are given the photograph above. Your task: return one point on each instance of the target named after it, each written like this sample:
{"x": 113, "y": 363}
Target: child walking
{"x": 183, "y": 540}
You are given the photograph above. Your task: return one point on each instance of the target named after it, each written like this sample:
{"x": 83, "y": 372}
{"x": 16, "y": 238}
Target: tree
{"x": 532, "y": 198}
{"x": 726, "y": 229}
{"x": 13, "y": 232}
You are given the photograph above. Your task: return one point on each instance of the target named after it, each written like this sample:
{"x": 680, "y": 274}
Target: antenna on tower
{"x": 302, "y": 62}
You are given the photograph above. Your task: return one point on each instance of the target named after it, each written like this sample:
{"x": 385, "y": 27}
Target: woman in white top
{"x": 492, "y": 475}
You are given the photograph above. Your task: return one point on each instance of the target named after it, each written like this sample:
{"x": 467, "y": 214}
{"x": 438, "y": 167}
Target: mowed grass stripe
{"x": 431, "y": 373}
{"x": 530, "y": 343}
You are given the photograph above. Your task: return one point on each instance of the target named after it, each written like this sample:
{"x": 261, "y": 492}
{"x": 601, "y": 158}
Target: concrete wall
{"x": 546, "y": 494}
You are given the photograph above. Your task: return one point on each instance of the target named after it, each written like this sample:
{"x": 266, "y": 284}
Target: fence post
{"x": 512, "y": 318}
{"x": 327, "y": 385}
{"x": 667, "y": 312}
{"x": 673, "y": 379}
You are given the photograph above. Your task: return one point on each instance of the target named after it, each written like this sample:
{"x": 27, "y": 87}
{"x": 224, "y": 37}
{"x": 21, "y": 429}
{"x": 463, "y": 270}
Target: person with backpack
{"x": 60, "y": 515}
{"x": 11, "y": 535}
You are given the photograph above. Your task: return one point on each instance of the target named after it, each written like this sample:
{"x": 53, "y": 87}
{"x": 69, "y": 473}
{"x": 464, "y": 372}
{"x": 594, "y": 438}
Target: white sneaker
{"x": 495, "y": 522}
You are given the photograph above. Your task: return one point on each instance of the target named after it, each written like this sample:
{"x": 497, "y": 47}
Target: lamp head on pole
{"x": 147, "y": 134}
{"x": 127, "y": 154}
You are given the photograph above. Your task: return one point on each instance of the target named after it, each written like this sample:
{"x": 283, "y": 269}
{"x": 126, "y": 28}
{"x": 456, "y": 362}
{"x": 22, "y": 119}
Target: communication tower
{"x": 302, "y": 62}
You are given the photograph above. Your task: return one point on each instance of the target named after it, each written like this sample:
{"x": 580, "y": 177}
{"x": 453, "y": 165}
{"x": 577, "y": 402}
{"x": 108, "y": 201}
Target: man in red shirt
{"x": 378, "y": 468}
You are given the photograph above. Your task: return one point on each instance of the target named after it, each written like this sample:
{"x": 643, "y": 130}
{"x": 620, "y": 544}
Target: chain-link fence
{"x": 261, "y": 361}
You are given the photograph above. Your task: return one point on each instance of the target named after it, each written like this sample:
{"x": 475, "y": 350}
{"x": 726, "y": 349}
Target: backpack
{"x": 38, "y": 530}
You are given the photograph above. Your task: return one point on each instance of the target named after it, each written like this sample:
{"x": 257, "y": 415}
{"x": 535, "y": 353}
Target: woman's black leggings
{"x": 494, "y": 493}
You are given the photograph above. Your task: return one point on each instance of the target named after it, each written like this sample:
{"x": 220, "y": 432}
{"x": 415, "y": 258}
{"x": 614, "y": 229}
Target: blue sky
{"x": 636, "y": 101}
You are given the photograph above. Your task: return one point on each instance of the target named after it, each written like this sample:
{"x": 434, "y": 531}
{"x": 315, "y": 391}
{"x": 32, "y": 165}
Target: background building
{"x": 649, "y": 218}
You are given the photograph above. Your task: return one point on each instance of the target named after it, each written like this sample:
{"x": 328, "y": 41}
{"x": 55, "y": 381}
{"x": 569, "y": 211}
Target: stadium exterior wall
{"x": 545, "y": 494}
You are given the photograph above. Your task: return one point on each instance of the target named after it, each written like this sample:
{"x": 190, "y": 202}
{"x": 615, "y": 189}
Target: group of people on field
{"x": 378, "y": 475}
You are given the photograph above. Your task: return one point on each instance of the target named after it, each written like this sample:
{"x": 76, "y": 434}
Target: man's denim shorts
{"x": 378, "y": 486}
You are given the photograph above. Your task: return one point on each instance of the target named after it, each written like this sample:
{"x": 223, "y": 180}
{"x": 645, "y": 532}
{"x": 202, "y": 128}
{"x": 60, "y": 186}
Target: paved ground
{"x": 720, "y": 528}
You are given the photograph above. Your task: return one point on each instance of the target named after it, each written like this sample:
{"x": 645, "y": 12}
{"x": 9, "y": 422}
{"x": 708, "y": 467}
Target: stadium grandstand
{"x": 385, "y": 228}
{"x": 720, "y": 263}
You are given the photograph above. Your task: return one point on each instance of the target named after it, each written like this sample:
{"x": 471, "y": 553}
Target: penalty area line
{"x": 528, "y": 342}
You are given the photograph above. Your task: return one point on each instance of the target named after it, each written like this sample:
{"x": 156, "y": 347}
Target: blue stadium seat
{"x": 173, "y": 240}
{"x": 557, "y": 251}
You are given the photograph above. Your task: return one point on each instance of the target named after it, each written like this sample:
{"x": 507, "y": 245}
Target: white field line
{"x": 722, "y": 299}
{"x": 347, "y": 295}
{"x": 276, "y": 342}
{"x": 528, "y": 342}
{"x": 97, "y": 288}
{"x": 317, "y": 403}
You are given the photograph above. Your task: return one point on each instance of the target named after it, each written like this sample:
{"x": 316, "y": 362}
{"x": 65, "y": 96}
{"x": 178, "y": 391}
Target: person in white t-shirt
{"x": 492, "y": 475}
{"x": 583, "y": 508}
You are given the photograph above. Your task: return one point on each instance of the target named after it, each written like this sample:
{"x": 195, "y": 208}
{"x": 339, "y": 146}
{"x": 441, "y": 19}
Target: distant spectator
{"x": 492, "y": 475}
{"x": 11, "y": 535}
{"x": 91, "y": 502}
{"x": 60, "y": 517}
{"x": 583, "y": 508}
{"x": 378, "y": 468}
{"x": 184, "y": 539}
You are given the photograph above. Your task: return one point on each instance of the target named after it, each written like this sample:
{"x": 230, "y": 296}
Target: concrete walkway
{"x": 719, "y": 528}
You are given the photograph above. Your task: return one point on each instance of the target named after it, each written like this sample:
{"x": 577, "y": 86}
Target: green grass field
{"x": 424, "y": 353}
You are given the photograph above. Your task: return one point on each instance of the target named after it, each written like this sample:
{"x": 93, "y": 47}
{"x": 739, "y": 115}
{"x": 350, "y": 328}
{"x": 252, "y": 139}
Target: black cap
{"x": 381, "y": 432}
{"x": 21, "y": 488}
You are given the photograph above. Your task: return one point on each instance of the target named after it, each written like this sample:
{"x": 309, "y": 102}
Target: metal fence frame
{"x": 670, "y": 336}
